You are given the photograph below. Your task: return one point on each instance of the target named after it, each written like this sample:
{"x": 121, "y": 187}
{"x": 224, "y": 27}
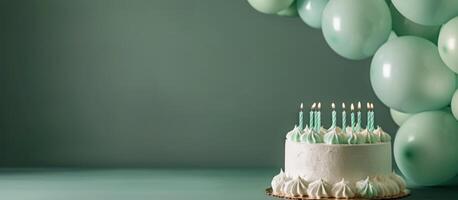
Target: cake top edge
{"x": 339, "y": 145}
{"x": 338, "y": 136}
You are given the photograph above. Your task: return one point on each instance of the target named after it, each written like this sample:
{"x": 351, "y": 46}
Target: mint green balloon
{"x": 291, "y": 11}
{"x": 455, "y": 105}
{"x": 427, "y": 12}
{"x": 408, "y": 75}
{"x": 393, "y": 35}
{"x": 311, "y": 11}
{"x": 426, "y": 148}
{"x": 399, "y": 117}
{"x": 270, "y": 6}
{"x": 448, "y": 44}
{"x": 355, "y": 29}
{"x": 403, "y": 26}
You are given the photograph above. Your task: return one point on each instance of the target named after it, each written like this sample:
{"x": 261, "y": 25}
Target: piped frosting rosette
{"x": 295, "y": 187}
{"x": 367, "y": 137}
{"x": 294, "y": 135}
{"x": 278, "y": 182}
{"x": 334, "y": 136}
{"x": 311, "y": 137}
{"x": 370, "y": 187}
{"x": 343, "y": 189}
{"x": 354, "y": 137}
{"x": 381, "y": 136}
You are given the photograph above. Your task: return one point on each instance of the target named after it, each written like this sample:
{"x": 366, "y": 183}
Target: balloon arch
{"x": 414, "y": 50}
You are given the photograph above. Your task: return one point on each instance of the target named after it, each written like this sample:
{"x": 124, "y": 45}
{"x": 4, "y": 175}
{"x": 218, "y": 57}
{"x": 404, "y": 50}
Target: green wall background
{"x": 204, "y": 83}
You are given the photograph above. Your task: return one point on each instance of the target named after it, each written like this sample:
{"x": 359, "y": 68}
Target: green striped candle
{"x": 301, "y": 117}
{"x": 311, "y": 116}
{"x": 344, "y": 118}
{"x": 352, "y": 117}
{"x": 334, "y": 117}
{"x": 358, "y": 123}
{"x": 368, "y": 114}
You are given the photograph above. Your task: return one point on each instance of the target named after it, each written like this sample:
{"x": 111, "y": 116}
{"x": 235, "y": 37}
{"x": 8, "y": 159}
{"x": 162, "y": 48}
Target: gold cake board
{"x": 400, "y": 196}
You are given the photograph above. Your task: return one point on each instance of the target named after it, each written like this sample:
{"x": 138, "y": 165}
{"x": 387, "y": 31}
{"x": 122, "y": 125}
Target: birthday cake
{"x": 349, "y": 162}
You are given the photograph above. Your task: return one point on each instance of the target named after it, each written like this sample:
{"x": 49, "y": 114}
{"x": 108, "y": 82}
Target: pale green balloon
{"x": 311, "y": 11}
{"x": 426, "y": 146}
{"x": 355, "y": 29}
{"x": 403, "y": 26}
{"x": 270, "y": 6}
{"x": 427, "y": 12}
{"x": 448, "y": 44}
{"x": 454, "y": 105}
{"x": 291, "y": 11}
{"x": 393, "y": 35}
{"x": 456, "y": 83}
{"x": 399, "y": 117}
{"x": 408, "y": 75}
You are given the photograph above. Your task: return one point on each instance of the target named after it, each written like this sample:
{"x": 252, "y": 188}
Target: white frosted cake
{"x": 332, "y": 163}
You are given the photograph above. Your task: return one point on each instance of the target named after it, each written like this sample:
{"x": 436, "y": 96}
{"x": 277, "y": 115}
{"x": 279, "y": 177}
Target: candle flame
{"x": 343, "y": 105}
{"x": 333, "y": 106}
{"x": 302, "y": 106}
{"x": 352, "y": 107}
{"x": 359, "y": 105}
{"x": 313, "y": 106}
{"x": 368, "y": 105}
{"x": 319, "y": 105}
{"x": 372, "y": 106}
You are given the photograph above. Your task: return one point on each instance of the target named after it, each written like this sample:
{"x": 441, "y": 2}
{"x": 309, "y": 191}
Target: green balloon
{"x": 270, "y": 6}
{"x": 311, "y": 11}
{"x": 456, "y": 83}
{"x": 403, "y": 26}
{"x": 426, "y": 146}
{"x": 399, "y": 117}
{"x": 408, "y": 75}
{"x": 448, "y": 44}
{"x": 355, "y": 29}
{"x": 455, "y": 105}
{"x": 291, "y": 11}
{"x": 392, "y": 35}
{"x": 427, "y": 12}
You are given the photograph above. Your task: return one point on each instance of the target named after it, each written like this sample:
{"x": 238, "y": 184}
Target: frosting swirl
{"x": 304, "y": 134}
{"x": 295, "y": 187}
{"x": 322, "y": 131}
{"x": 381, "y": 135}
{"x": 399, "y": 181}
{"x": 383, "y": 189}
{"x": 342, "y": 190}
{"x": 277, "y": 182}
{"x": 333, "y": 136}
{"x": 392, "y": 186}
{"x": 353, "y": 138}
{"x": 312, "y": 137}
{"x": 294, "y": 135}
{"x": 366, "y": 188}
{"x": 368, "y": 137}
{"x": 318, "y": 189}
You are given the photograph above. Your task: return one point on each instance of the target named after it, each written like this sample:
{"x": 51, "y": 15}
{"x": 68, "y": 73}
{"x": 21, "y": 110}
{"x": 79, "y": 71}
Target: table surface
{"x": 132, "y": 184}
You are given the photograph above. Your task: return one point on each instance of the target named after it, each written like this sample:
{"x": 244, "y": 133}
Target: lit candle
{"x": 301, "y": 117}
{"x": 352, "y": 117}
{"x": 318, "y": 118}
{"x": 358, "y": 124}
{"x": 334, "y": 118}
{"x": 368, "y": 124}
{"x": 311, "y": 116}
{"x": 372, "y": 116}
{"x": 344, "y": 118}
